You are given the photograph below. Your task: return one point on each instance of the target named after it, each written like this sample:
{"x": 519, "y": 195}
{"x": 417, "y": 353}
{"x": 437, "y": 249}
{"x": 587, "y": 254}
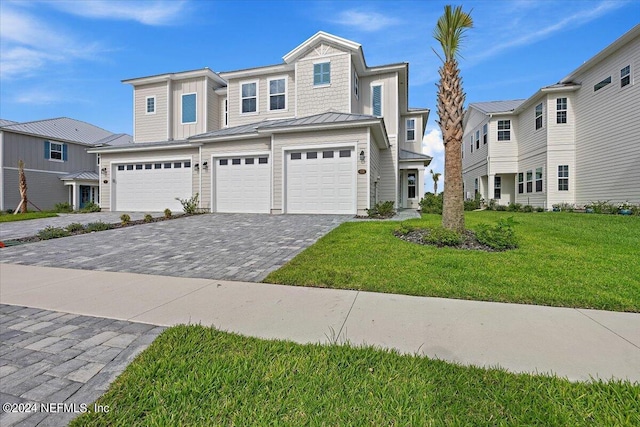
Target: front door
{"x": 85, "y": 195}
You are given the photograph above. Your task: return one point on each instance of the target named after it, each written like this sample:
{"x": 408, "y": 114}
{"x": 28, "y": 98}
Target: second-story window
{"x": 485, "y": 130}
{"x": 189, "y": 108}
{"x": 376, "y": 100}
{"x": 277, "y": 94}
{"x": 226, "y": 112}
{"x": 504, "y": 130}
{"x": 625, "y": 76}
{"x": 538, "y": 116}
{"x": 471, "y": 142}
{"x": 561, "y": 110}
{"x": 249, "y": 94}
{"x": 477, "y": 140}
{"x": 322, "y": 73}
{"x": 411, "y": 129}
{"x": 151, "y": 105}
{"x": 356, "y": 85}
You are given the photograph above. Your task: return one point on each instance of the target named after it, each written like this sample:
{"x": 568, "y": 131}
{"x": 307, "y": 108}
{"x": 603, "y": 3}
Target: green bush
{"x": 603, "y": 207}
{"x": 514, "y": 207}
{"x": 431, "y": 203}
{"x": 98, "y": 226}
{"x": 167, "y": 213}
{"x": 404, "y": 229}
{"x": 52, "y": 233}
{"x": 501, "y": 237}
{"x": 189, "y": 205}
{"x": 125, "y": 219}
{"x": 539, "y": 209}
{"x": 441, "y": 236}
{"x": 381, "y": 210}
{"x": 148, "y": 218}
{"x": 90, "y": 207}
{"x": 527, "y": 208}
{"x": 493, "y": 205}
{"x": 501, "y": 208}
{"x": 63, "y": 207}
{"x": 74, "y": 227}
{"x": 472, "y": 205}
{"x": 564, "y": 207}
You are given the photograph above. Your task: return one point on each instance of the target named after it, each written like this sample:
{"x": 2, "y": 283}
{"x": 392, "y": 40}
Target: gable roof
{"x": 492, "y": 107}
{"x": 322, "y": 37}
{"x": 4, "y": 122}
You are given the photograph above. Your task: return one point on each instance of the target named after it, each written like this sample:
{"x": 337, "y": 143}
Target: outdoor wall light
{"x": 196, "y": 167}
{"x": 205, "y": 165}
{"x": 104, "y": 171}
{"x": 362, "y": 156}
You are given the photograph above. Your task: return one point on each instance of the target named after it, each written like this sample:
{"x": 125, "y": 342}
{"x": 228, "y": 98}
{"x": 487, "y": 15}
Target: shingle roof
{"x": 82, "y": 175}
{"x": 62, "y": 128}
{"x": 497, "y": 106}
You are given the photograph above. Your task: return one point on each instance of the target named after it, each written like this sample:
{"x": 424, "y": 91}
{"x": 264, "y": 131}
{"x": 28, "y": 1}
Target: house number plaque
{"x": 362, "y": 171}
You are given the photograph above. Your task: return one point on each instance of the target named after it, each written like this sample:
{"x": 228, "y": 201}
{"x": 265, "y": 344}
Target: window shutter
{"x": 47, "y": 150}
{"x": 376, "y": 101}
{"x": 64, "y": 152}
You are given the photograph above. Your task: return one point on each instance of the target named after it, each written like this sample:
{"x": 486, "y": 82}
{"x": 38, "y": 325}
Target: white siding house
{"x": 571, "y": 142}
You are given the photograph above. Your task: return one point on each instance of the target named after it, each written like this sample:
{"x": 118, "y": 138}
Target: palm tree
{"x": 435, "y": 177}
{"x": 449, "y": 32}
{"x": 22, "y": 186}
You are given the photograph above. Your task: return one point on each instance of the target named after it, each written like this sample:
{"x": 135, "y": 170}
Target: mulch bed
{"x": 469, "y": 242}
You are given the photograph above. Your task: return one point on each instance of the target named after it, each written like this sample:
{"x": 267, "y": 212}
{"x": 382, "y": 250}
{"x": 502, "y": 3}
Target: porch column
{"x": 74, "y": 195}
{"x": 490, "y": 184}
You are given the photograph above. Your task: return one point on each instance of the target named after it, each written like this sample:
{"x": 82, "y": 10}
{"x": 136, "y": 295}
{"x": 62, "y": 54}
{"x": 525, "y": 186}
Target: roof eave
{"x": 129, "y": 149}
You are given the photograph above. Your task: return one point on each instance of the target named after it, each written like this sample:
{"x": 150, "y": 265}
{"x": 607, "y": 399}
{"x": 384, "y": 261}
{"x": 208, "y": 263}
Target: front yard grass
{"x": 196, "y": 376}
{"x": 564, "y": 259}
{"x": 9, "y": 217}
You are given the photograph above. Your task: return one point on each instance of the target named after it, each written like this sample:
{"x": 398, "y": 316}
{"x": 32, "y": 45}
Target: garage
{"x": 321, "y": 181}
{"x": 152, "y": 186}
{"x": 242, "y": 184}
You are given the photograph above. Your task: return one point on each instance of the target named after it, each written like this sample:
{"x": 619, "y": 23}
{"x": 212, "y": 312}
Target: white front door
{"x": 243, "y": 184}
{"x": 321, "y": 181}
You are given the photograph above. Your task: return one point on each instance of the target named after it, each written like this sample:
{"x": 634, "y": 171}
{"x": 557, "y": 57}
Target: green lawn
{"x": 6, "y": 217}
{"x": 197, "y": 376}
{"x": 564, "y": 259}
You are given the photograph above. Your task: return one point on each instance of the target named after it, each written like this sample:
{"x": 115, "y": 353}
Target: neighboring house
{"x": 57, "y": 165}
{"x": 322, "y": 132}
{"x": 572, "y": 142}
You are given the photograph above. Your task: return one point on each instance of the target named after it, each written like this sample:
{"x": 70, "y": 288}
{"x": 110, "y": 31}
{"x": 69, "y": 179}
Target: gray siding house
{"x": 573, "y": 142}
{"x": 57, "y": 165}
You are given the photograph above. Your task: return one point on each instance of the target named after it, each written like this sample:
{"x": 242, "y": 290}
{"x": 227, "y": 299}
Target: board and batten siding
{"x": 374, "y": 171}
{"x": 607, "y": 129}
{"x": 213, "y": 105}
{"x": 44, "y": 189}
{"x": 388, "y": 186}
{"x": 389, "y": 83}
{"x": 198, "y": 86}
{"x": 356, "y": 137}
{"x": 150, "y": 127}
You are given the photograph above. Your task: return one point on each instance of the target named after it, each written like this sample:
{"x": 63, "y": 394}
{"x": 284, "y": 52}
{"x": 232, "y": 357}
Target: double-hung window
{"x": 471, "y": 142}
{"x": 538, "y": 116}
{"x": 563, "y": 177}
{"x": 625, "y": 76}
{"x": 277, "y": 94}
{"x": 189, "y": 108}
{"x": 150, "y": 105}
{"x": 55, "y": 151}
{"x": 376, "y": 100}
{"x": 561, "y": 110}
{"x": 411, "y": 129}
{"x": 356, "y": 85}
{"x": 322, "y": 73}
{"x": 504, "y": 130}
{"x": 520, "y": 183}
{"x": 485, "y": 131}
{"x": 477, "y": 140}
{"x": 497, "y": 187}
{"x": 529, "y": 181}
{"x": 249, "y": 96}
{"x": 538, "y": 180}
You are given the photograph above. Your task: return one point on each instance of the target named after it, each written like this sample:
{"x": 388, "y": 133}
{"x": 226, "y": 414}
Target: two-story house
{"x": 321, "y": 132}
{"x": 56, "y": 163}
{"x": 571, "y": 142}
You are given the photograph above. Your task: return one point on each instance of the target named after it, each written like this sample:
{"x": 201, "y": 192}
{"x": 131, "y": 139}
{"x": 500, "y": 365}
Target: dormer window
{"x": 249, "y": 95}
{"x": 322, "y": 73}
{"x": 151, "y": 104}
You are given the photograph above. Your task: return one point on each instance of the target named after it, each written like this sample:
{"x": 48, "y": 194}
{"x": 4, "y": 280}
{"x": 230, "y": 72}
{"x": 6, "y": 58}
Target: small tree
{"x": 22, "y": 185}
{"x": 435, "y": 176}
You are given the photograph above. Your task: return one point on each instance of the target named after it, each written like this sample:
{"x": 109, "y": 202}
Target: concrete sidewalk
{"x": 573, "y": 343}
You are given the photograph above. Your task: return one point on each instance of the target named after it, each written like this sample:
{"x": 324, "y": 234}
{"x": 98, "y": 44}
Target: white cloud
{"x": 432, "y": 143}
{"x": 364, "y": 20}
{"x": 158, "y": 12}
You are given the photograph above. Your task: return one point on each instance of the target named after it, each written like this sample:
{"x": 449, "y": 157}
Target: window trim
{"x": 507, "y": 130}
{"x": 381, "y": 100}
{"x": 602, "y": 84}
{"x": 563, "y": 177}
{"x": 321, "y": 83}
{"x": 530, "y": 181}
{"x": 497, "y": 187}
{"x": 471, "y": 140}
{"x": 146, "y": 105}
{"x": 478, "y": 139}
{"x": 61, "y": 151}
{"x": 539, "y": 113}
{"x": 195, "y": 121}
{"x": 485, "y": 133}
{"x": 414, "y": 186}
{"x": 413, "y": 129}
{"x": 356, "y": 85}
{"x": 539, "y": 180}
{"x": 626, "y": 76}
{"x": 257, "y": 97}
{"x": 520, "y": 182}
{"x": 560, "y": 111}
{"x": 226, "y": 112}
{"x": 285, "y": 93}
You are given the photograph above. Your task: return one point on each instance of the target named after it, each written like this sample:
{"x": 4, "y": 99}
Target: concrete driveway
{"x": 243, "y": 247}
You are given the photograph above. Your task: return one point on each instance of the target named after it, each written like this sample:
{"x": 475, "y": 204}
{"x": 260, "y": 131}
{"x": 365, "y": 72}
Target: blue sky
{"x": 67, "y": 58}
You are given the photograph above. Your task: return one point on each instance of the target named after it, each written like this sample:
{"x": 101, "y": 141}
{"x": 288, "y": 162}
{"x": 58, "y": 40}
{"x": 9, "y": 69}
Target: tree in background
{"x": 449, "y": 32}
{"x": 435, "y": 176}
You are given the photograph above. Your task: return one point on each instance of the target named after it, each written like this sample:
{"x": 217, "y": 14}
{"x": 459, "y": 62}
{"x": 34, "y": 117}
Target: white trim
{"x": 230, "y": 154}
{"x": 368, "y": 154}
{"x": 205, "y": 112}
{"x": 225, "y": 112}
{"x": 406, "y": 129}
{"x": 295, "y": 96}
{"x": 151, "y": 148}
{"x": 146, "y": 105}
{"x": 318, "y": 62}
{"x": 182, "y": 108}
{"x": 134, "y": 160}
{"x": 36, "y": 170}
{"x": 286, "y": 93}
{"x": 169, "y": 110}
{"x": 249, "y": 113}
{"x": 133, "y": 102}
{"x": 1, "y": 170}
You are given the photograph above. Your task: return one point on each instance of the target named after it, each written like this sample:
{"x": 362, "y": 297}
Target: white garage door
{"x": 321, "y": 181}
{"x": 243, "y": 184}
{"x": 152, "y": 187}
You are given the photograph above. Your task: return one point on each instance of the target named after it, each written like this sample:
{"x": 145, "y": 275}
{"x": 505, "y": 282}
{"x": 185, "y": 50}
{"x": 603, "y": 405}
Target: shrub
{"x": 381, "y": 210}
{"x": 148, "y": 218}
{"x": 74, "y": 227}
{"x": 125, "y": 219}
{"x": 431, "y": 203}
{"x": 501, "y": 208}
{"x": 404, "y": 229}
{"x": 635, "y": 210}
{"x": 501, "y": 236}
{"x": 189, "y": 205}
{"x": 514, "y": 207}
{"x": 527, "y": 208}
{"x": 167, "y": 213}
{"x": 564, "y": 207}
{"x": 441, "y": 236}
{"x": 539, "y": 209}
{"x": 62, "y": 207}
{"x": 52, "y": 233}
{"x": 472, "y": 205}
{"x": 493, "y": 204}
{"x": 90, "y": 207}
{"x": 97, "y": 226}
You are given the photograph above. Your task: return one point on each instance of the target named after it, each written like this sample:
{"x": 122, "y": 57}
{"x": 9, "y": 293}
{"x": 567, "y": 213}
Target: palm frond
{"x": 450, "y": 30}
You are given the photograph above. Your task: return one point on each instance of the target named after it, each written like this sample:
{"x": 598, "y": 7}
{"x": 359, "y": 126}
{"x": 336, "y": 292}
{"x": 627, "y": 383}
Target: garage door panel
{"x": 243, "y": 186}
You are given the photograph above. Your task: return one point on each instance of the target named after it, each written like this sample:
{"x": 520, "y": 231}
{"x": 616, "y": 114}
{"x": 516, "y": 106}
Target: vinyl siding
{"x": 150, "y": 127}
{"x": 373, "y": 172}
{"x": 416, "y": 145}
{"x": 320, "y": 99}
{"x": 388, "y": 185}
{"x": 531, "y": 163}
{"x": 503, "y": 155}
{"x": 388, "y": 81}
{"x": 213, "y": 108}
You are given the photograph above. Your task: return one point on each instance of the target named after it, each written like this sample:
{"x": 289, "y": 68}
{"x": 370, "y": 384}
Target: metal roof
{"x": 497, "y": 106}
{"x": 62, "y": 128}
{"x": 82, "y": 175}
{"x": 4, "y": 122}
{"x": 410, "y": 155}
{"x": 116, "y": 139}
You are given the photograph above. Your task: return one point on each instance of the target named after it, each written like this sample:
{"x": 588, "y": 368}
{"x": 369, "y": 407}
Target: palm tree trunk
{"x": 22, "y": 184}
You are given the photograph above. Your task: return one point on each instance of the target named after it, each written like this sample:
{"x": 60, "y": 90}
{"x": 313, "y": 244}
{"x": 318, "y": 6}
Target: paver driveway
{"x": 243, "y": 247}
